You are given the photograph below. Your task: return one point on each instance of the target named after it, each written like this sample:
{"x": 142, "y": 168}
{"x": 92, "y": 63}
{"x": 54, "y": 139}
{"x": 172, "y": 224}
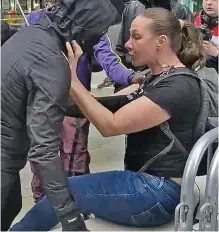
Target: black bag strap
{"x": 164, "y": 127}
{"x": 175, "y": 73}
{"x": 159, "y": 155}
{"x": 173, "y": 142}
{"x": 170, "y": 135}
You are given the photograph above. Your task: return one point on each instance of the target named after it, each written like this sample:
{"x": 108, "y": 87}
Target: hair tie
{"x": 181, "y": 23}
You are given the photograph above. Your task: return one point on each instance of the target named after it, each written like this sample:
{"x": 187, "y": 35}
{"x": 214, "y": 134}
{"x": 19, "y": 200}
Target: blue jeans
{"x": 124, "y": 197}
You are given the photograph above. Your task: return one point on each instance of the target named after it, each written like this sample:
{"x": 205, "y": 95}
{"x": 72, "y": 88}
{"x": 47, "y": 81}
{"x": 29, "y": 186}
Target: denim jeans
{"x": 123, "y": 197}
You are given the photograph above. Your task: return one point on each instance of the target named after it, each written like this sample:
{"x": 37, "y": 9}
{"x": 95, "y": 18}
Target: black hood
{"x": 85, "y": 20}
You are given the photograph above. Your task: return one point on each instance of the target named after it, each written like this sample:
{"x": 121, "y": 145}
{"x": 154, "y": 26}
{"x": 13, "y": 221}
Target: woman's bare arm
{"x": 136, "y": 116}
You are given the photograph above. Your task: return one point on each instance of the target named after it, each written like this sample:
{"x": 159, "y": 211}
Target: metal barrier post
{"x": 185, "y": 210}
{"x": 22, "y": 12}
{"x": 210, "y": 155}
{"x": 209, "y": 210}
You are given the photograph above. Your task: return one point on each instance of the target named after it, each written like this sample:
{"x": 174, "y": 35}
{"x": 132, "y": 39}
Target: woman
{"x": 133, "y": 9}
{"x": 148, "y": 198}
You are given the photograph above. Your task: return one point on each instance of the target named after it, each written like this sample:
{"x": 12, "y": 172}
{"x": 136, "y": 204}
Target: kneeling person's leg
{"x": 11, "y": 200}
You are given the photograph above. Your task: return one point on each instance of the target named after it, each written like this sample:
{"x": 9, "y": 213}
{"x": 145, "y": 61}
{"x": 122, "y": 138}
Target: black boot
{"x": 73, "y": 221}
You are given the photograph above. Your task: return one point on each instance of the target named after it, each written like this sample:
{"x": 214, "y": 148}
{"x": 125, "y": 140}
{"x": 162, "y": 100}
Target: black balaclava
{"x": 85, "y": 20}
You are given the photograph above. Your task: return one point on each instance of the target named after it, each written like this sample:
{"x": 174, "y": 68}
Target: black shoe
{"x": 73, "y": 222}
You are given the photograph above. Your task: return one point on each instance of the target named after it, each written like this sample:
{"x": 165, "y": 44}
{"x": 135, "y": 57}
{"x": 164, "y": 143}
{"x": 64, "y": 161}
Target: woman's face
{"x": 211, "y": 7}
{"x": 142, "y": 44}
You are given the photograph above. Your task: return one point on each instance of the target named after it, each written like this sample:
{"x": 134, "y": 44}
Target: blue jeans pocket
{"x": 154, "y": 216}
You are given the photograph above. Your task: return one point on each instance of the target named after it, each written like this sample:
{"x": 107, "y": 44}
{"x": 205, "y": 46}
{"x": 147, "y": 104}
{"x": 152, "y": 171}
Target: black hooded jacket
{"x": 35, "y": 81}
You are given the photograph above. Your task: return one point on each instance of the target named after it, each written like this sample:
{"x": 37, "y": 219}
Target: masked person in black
{"x": 35, "y": 84}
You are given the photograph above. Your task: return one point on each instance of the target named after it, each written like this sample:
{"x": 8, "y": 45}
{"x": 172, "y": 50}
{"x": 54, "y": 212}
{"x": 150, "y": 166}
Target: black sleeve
{"x": 45, "y": 112}
{"x": 112, "y": 103}
{"x": 174, "y": 94}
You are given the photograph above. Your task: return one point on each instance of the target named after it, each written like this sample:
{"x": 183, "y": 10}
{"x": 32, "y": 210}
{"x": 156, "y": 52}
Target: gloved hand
{"x": 138, "y": 77}
{"x": 73, "y": 221}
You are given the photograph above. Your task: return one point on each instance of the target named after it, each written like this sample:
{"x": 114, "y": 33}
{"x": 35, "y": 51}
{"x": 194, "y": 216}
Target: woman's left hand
{"x": 74, "y": 54}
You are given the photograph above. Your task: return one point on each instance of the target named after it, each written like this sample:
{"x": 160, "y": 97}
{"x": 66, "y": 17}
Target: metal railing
{"x": 14, "y": 22}
{"x": 15, "y": 19}
{"x": 209, "y": 210}
{"x": 185, "y": 210}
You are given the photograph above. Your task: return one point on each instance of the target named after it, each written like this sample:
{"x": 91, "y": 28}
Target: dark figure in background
{"x": 6, "y": 32}
{"x": 34, "y": 94}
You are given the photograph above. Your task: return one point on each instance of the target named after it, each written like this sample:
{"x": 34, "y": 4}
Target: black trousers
{"x": 11, "y": 199}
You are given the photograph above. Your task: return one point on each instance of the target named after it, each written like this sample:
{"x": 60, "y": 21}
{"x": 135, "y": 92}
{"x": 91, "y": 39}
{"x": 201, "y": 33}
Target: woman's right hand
{"x": 74, "y": 54}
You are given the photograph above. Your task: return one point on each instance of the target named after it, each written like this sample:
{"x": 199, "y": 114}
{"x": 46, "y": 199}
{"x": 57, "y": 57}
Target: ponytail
{"x": 185, "y": 39}
{"x": 191, "y": 51}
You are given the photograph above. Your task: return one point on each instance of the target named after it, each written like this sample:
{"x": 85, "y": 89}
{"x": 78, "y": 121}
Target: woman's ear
{"x": 161, "y": 41}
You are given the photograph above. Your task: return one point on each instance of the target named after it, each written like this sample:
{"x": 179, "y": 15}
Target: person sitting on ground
{"x": 139, "y": 197}
{"x": 208, "y": 20}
